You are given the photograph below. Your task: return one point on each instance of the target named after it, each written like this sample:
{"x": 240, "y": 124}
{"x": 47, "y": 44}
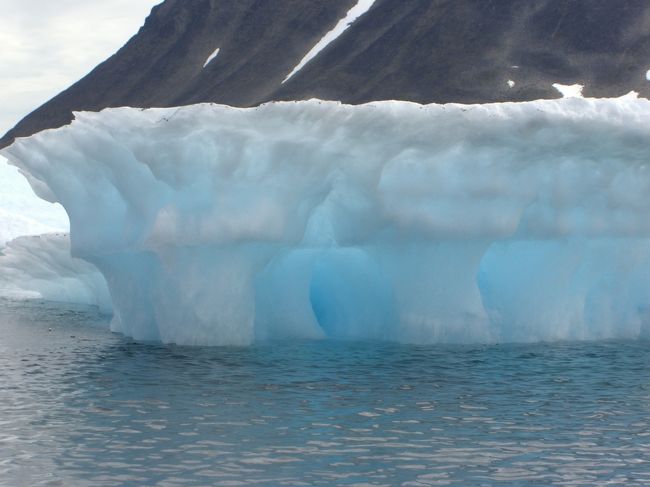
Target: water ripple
{"x": 81, "y": 406}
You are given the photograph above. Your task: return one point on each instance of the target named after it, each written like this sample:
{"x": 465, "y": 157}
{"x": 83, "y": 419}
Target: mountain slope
{"x": 426, "y": 51}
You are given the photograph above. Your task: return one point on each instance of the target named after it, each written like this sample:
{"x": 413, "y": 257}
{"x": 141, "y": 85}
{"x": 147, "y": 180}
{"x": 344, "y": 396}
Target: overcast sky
{"x": 46, "y": 45}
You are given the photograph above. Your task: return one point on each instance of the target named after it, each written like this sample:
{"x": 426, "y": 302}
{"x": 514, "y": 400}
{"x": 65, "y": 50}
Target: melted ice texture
{"x": 391, "y": 220}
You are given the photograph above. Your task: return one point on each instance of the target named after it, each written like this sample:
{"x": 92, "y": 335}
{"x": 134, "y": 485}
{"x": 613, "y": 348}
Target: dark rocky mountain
{"x": 419, "y": 50}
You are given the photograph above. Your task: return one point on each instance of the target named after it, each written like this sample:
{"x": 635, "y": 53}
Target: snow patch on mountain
{"x": 353, "y": 14}
{"x": 569, "y": 91}
{"x": 212, "y": 56}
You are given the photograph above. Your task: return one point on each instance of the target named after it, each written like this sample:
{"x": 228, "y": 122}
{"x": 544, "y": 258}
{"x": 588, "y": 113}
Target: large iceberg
{"x": 440, "y": 223}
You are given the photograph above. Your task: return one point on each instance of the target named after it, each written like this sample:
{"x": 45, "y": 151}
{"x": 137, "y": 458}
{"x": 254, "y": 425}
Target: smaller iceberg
{"x": 215, "y": 225}
{"x": 40, "y": 267}
{"x": 21, "y": 213}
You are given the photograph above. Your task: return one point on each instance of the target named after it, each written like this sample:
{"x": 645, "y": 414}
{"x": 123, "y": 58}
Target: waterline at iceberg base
{"x": 216, "y": 225}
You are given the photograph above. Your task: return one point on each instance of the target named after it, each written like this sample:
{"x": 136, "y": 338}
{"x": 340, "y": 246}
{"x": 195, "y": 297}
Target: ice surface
{"x": 391, "y": 220}
{"x": 41, "y": 267}
{"x": 361, "y": 7}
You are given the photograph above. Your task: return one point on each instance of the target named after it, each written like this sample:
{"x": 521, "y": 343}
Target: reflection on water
{"x": 81, "y": 406}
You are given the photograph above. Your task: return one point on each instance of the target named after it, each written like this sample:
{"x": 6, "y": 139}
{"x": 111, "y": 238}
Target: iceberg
{"x": 40, "y": 267}
{"x": 216, "y": 225}
{"x": 21, "y": 213}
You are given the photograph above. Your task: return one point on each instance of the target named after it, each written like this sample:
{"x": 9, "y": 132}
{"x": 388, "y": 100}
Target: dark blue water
{"x": 81, "y": 406}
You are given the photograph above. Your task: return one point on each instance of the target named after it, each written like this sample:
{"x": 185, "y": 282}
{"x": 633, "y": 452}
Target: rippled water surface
{"x": 81, "y": 406}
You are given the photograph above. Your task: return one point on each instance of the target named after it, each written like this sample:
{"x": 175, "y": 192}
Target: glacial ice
{"x": 21, "y": 213}
{"x": 41, "y": 267}
{"x": 216, "y": 225}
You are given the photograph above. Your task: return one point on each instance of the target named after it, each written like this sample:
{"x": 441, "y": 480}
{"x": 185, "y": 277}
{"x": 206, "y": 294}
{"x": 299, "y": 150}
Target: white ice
{"x": 212, "y": 56}
{"x": 216, "y": 225}
{"x": 23, "y": 214}
{"x": 41, "y": 267}
{"x": 511, "y": 83}
{"x": 353, "y": 14}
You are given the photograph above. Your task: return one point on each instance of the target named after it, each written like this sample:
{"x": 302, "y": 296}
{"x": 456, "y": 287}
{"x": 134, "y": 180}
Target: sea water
{"x": 80, "y": 406}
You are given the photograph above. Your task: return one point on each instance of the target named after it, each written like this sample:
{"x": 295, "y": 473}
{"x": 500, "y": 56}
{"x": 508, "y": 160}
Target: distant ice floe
{"x": 569, "y": 91}
{"x": 216, "y": 225}
{"x": 353, "y": 14}
{"x": 41, "y": 267}
{"x": 21, "y": 213}
{"x": 212, "y": 56}
{"x": 511, "y": 83}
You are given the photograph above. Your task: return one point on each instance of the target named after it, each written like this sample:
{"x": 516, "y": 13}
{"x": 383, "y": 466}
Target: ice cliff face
{"x": 391, "y": 220}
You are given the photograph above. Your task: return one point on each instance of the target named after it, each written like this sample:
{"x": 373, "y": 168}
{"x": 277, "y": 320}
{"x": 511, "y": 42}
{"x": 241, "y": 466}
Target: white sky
{"x": 45, "y": 46}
